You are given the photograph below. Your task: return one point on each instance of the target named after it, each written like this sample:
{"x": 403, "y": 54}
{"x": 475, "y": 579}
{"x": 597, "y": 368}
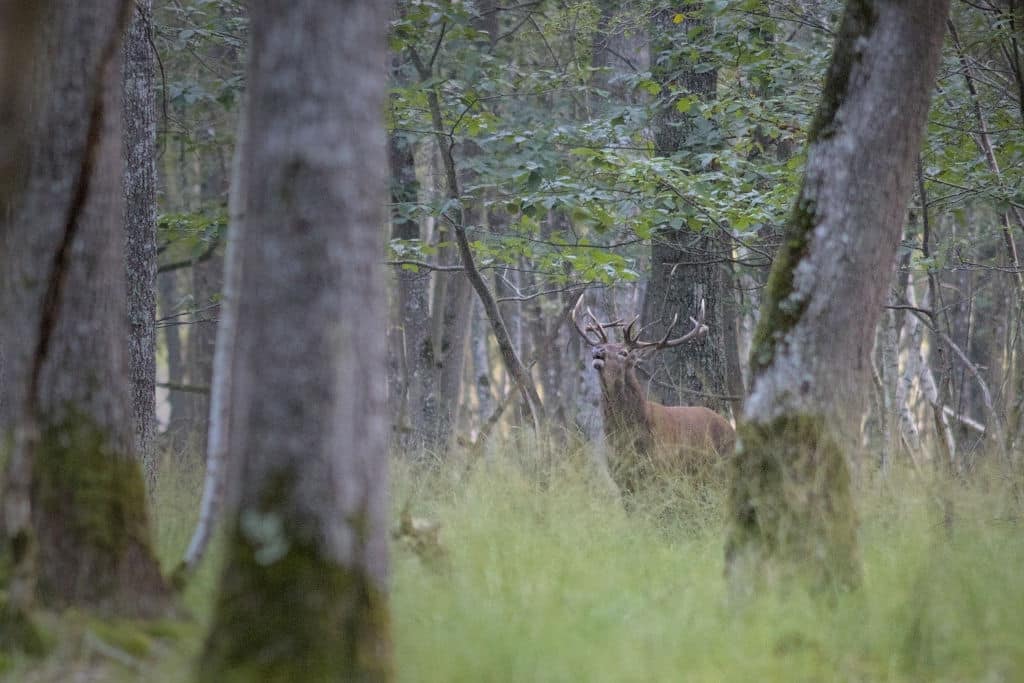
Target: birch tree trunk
{"x": 219, "y": 436}
{"x": 791, "y": 506}
{"x": 139, "y": 107}
{"x": 63, "y": 291}
{"x": 304, "y": 590}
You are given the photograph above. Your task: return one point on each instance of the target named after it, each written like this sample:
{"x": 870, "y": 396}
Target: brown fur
{"x": 649, "y": 439}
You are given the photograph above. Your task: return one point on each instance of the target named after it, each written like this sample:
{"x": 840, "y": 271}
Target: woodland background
{"x": 648, "y": 156}
{"x": 652, "y": 161}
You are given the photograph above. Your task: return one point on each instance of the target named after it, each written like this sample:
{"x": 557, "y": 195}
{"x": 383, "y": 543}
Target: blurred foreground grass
{"x": 549, "y": 579}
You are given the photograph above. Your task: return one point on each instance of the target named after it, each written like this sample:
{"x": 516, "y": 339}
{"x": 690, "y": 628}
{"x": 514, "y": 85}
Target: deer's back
{"x": 690, "y": 431}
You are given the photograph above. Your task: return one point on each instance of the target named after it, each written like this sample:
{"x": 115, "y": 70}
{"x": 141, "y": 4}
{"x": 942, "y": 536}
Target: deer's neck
{"x": 624, "y": 410}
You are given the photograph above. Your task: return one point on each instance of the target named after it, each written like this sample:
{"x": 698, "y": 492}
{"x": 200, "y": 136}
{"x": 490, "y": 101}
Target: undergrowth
{"x": 548, "y": 576}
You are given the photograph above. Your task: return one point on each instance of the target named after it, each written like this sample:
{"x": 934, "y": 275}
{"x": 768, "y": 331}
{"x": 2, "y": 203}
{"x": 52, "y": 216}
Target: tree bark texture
{"x": 139, "y": 118}
{"x": 61, "y": 255}
{"x": 410, "y": 328}
{"x": 303, "y": 594}
{"x": 791, "y": 505}
{"x": 20, "y": 23}
{"x": 686, "y": 267}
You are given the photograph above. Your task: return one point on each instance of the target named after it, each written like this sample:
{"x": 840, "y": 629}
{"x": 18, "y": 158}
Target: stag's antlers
{"x": 699, "y": 330}
{"x": 594, "y": 325}
{"x": 631, "y": 334}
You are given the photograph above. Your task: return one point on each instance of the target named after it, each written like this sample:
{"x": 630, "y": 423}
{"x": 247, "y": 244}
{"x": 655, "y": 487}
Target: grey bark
{"x": 686, "y": 267}
{"x": 812, "y": 350}
{"x": 63, "y": 289}
{"x": 450, "y": 359}
{"x": 139, "y": 107}
{"x": 20, "y": 23}
{"x": 619, "y": 50}
{"x": 888, "y": 65}
{"x": 304, "y": 592}
{"x": 414, "y": 403}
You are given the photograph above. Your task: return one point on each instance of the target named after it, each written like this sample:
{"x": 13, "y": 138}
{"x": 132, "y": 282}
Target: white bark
{"x": 218, "y": 438}
{"x": 905, "y": 383}
{"x": 928, "y": 387}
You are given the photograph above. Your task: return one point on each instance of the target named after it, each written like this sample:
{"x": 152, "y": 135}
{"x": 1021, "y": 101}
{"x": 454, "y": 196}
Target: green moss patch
{"x": 90, "y": 516}
{"x": 286, "y": 613}
{"x": 791, "y": 511}
{"x": 20, "y": 634}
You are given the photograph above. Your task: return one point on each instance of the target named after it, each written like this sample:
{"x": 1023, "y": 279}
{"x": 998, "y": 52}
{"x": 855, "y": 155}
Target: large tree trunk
{"x": 20, "y": 23}
{"x": 139, "y": 104}
{"x": 686, "y": 268}
{"x": 304, "y": 590}
{"x": 791, "y": 505}
{"x": 61, "y": 256}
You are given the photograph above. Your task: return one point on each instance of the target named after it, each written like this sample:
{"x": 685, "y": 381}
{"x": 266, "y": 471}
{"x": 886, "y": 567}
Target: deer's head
{"x": 615, "y": 361}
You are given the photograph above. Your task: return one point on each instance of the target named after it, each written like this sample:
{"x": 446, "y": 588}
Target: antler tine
{"x": 596, "y": 326}
{"x": 699, "y": 330}
{"x": 628, "y": 336}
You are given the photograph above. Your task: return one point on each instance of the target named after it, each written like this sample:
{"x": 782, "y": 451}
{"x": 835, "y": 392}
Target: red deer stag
{"x": 646, "y": 438}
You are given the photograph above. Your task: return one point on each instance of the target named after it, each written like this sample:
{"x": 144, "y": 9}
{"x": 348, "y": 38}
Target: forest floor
{"x": 547, "y": 578}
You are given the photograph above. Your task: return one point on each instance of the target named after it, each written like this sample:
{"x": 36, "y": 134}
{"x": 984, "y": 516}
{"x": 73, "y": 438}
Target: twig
{"x": 425, "y": 265}
{"x": 186, "y": 388}
{"x": 188, "y": 263}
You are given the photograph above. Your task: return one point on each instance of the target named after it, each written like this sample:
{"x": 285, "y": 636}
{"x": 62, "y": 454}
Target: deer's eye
{"x": 623, "y": 353}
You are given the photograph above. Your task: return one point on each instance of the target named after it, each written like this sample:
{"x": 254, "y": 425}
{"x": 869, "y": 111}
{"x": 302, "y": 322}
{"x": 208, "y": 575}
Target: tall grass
{"x": 556, "y": 582}
{"x": 546, "y": 576}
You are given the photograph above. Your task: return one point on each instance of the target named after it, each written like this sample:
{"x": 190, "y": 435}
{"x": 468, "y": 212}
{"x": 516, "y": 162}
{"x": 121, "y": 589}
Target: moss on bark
{"x": 294, "y": 615}
{"x": 791, "y": 509}
{"x": 89, "y": 513}
{"x": 858, "y": 20}
{"x": 782, "y": 309}
{"x": 19, "y": 633}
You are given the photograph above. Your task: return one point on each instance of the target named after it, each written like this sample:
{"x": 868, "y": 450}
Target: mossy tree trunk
{"x": 20, "y": 22}
{"x": 63, "y": 291}
{"x": 303, "y": 595}
{"x": 791, "y": 505}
